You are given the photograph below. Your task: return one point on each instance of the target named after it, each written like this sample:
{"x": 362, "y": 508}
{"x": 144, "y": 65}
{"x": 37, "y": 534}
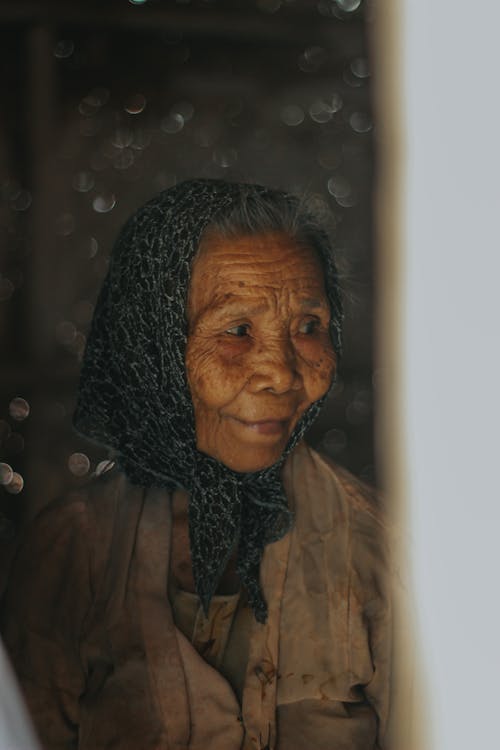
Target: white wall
{"x": 445, "y": 189}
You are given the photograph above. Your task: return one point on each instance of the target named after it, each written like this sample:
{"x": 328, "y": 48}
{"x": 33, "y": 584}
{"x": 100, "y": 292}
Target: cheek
{"x": 319, "y": 368}
{"x": 214, "y": 377}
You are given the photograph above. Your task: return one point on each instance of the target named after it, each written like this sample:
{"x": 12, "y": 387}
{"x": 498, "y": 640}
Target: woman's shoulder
{"x": 81, "y": 508}
{"x": 77, "y": 526}
{"x": 330, "y": 485}
{"x": 330, "y": 501}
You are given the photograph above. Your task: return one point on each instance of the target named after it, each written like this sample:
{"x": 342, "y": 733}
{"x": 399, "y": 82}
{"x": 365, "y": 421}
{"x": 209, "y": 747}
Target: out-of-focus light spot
{"x": 312, "y": 59}
{"x": 225, "y": 157}
{"x": 124, "y": 159}
{"x": 360, "y": 122}
{"x": 338, "y": 186}
{"x": 172, "y": 123}
{"x": 351, "y": 80}
{"x": 348, "y": 6}
{"x": 141, "y": 139}
{"x": 321, "y": 207}
{"x": 93, "y": 247}
{"x": 122, "y": 137}
{"x": 320, "y": 111}
{"x": 88, "y": 106}
{"x": 330, "y": 9}
{"x": 6, "y": 474}
{"x": 360, "y": 407}
{"x": 104, "y": 202}
{"x": 19, "y": 409}
{"x": 292, "y": 115}
{"x": 64, "y": 48}
{"x": 135, "y": 104}
{"x": 83, "y": 182}
{"x": 78, "y": 345}
{"x": 233, "y": 109}
{"x": 78, "y": 464}
{"x": 269, "y": 6}
{"x": 15, "y": 485}
{"x": 137, "y": 2}
{"x": 10, "y": 189}
{"x": 183, "y": 108}
{"x": 98, "y": 97}
{"x": 359, "y": 67}
{"x": 336, "y": 103}
{"x": 65, "y": 224}
{"x": 6, "y": 289}
{"x": 65, "y": 332}
{"x": 347, "y": 201}
{"x": 334, "y": 442}
{"x": 22, "y": 201}
{"x": 104, "y": 466}
{"x": 329, "y": 157}
{"x": 109, "y": 149}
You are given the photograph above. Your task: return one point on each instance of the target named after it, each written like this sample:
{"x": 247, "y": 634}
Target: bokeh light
{"x": 104, "y": 202}
{"x": 19, "y": 409}
{"x": 16, "y": 484}
{"x": 103, "y": 466}
{"x": 137, "y": 109}
{"x": 64, "y": 48}
{"x": 79, "y": 464}
{"x": 135, "y": 104}
{"x": 6, "y": 474}
{"x": 348, "y": 5}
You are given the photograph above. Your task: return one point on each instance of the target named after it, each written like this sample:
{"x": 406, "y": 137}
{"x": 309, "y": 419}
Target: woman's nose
{"x": 274, "y": 368}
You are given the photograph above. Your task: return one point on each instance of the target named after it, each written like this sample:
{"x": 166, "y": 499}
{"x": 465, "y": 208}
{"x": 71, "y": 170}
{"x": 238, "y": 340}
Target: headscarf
{"x": 134, "y": 395}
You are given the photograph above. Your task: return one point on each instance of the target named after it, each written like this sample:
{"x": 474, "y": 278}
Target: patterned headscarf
{"x": 134, "y": 395}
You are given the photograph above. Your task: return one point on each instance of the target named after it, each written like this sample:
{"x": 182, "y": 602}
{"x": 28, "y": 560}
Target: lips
{"x": 268, "y": 426}
{"x": 265, "y": 426}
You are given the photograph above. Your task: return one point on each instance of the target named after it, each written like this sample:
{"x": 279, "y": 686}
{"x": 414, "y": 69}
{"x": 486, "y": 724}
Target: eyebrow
{"x": 236, "y": 308}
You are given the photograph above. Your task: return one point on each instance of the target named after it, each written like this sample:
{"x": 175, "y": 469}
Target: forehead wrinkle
{"x": 235, "y": 306}
{"x": 240, "y": 306}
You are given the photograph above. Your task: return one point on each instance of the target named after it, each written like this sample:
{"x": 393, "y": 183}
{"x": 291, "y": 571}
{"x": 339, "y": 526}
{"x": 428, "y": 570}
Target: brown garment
{"x": 223, "y": 637}
{"x": 90, "y": 629}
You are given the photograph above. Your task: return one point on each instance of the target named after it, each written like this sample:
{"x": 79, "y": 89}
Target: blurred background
{"x": 106, "y": 104}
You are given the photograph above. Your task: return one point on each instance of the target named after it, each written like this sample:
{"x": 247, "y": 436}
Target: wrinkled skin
{"x": 259, "y": 350}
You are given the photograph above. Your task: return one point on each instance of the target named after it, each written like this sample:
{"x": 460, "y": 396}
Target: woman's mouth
{"x": 268, "y": 426}
{"x": 265, "y": 426}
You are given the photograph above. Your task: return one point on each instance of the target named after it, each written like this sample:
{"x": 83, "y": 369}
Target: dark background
{"x": 105, "y": 104}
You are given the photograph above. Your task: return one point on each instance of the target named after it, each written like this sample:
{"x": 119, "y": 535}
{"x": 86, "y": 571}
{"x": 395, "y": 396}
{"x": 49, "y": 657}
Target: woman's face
{"x": 259, "y": 350}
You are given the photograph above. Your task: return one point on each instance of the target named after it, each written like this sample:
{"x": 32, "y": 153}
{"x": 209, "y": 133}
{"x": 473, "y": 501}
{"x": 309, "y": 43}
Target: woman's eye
{"x": 241, "y": 330}
{"x": 309, "y": 326}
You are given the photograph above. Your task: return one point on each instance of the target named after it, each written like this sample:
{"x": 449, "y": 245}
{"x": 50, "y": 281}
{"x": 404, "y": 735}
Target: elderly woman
{"x": 223, "y": 586}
